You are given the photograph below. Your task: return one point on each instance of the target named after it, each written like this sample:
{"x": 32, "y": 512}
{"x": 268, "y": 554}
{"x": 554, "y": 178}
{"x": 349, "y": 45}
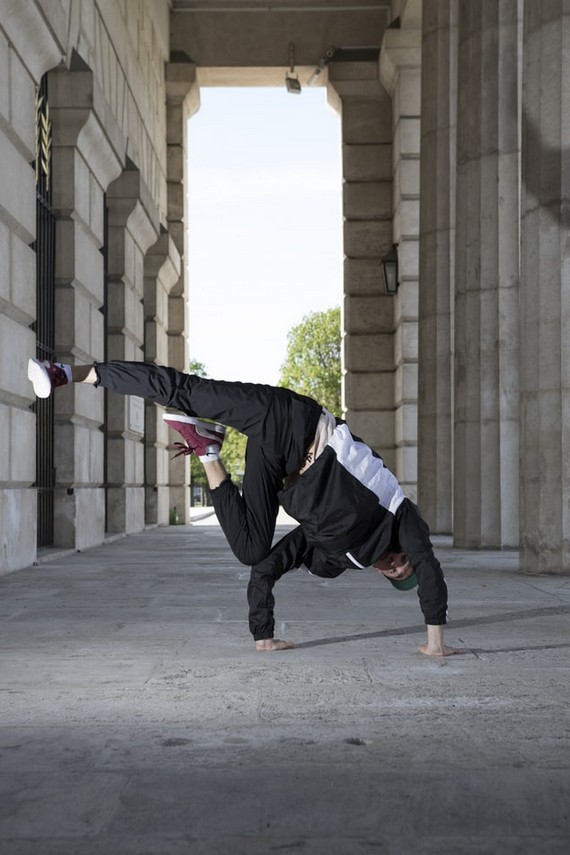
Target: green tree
{"x": 233, "y": 454}
{"x": 198, "y": 368}
{"x": 312, "y": 365}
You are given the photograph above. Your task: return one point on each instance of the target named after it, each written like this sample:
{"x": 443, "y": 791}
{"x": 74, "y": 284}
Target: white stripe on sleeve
{"x": 357, "y": 458}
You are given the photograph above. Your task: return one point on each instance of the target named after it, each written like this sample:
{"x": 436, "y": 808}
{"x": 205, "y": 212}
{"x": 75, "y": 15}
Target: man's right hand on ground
{"x": 435, "y": 645}
{"x": 268, "y": 644}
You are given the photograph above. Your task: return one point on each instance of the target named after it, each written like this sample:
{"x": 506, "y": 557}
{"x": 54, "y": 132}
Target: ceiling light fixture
{"x": 292, "y": 81}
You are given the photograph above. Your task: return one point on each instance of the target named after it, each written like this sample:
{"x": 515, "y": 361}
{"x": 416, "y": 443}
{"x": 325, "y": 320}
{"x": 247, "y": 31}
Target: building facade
{"x": 455, "y": 127}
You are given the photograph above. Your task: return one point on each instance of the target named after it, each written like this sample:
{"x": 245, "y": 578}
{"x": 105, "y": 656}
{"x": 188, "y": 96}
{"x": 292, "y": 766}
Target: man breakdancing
{"x": 350, "y": 507}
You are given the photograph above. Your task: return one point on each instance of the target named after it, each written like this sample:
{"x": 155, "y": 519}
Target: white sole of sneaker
{"x": 192, "y": 420}
{"x": 40, "y": 378}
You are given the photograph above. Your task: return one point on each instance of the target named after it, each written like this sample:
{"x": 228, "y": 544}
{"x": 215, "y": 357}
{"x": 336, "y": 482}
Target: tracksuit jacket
{"x": 352, "y": 511}
{"x": 350, "y": 507}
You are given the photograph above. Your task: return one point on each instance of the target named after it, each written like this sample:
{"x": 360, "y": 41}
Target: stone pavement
{"x": 136, "y": 717}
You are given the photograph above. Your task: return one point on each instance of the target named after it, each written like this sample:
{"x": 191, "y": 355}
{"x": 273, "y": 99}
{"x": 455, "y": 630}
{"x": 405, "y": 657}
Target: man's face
{"x": 394, "y": 565}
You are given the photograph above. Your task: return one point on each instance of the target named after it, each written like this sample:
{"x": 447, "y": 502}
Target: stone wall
{"x": 473, "y": 347}
{"x": 105, "y": 65}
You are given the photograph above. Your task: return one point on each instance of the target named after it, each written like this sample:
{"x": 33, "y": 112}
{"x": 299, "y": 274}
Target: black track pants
{"x": 279, "y": 424}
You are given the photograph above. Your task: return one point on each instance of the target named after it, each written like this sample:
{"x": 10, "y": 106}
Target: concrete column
{"x": 437, "y": 260}
{"x": 28, "y": 47}
{"x": 167, "y": 481}
{"x": 132, "y": 227}
{"x": 545, "y": 290}
{"x": 87, "y": 152}
{"x": 368, "y": 313}
{"x": 182, "y": 101}
{"x": 486, "y": 448}
{"x": 400, "y": 74}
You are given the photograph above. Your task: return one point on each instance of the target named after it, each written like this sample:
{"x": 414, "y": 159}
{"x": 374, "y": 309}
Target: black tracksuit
{"x": 350, "y": 507}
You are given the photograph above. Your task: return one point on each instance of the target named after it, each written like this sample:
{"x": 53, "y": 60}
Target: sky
{"x": 264, "y": 225}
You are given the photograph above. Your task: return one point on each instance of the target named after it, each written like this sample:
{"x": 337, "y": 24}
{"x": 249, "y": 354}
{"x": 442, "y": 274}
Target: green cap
{"x": 405, "y": 584}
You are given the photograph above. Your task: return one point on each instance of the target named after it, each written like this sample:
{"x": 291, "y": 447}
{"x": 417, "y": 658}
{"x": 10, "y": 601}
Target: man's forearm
{"x": 288, "y": 553}
{"x": 261, "y": 604}
{"x": 413, "y": 533}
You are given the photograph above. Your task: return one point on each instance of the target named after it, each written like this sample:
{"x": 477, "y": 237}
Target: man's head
{"x": 396, "y": 567}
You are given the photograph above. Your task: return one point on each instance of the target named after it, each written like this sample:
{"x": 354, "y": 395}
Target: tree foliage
{"x": 198, "y": 368}
{"x": 312, "y": 365}
{"x": 233, "y": 454}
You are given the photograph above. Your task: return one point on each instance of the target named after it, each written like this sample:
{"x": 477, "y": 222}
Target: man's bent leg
{"x": 279, "y": 425}
{"x": 248, "y": 518}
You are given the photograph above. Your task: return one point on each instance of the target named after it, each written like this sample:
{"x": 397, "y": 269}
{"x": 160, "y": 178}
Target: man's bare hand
{"x": 268, "y": 644}
{"x": 435, "y": 645}
{"x": 439, "y": 651}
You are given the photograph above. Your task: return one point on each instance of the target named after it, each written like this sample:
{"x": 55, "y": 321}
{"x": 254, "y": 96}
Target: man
{"x": 351, "y": 509}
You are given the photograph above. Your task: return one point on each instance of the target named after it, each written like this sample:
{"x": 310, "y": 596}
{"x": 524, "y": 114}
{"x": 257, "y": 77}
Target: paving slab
{"x": 136, "y": 716}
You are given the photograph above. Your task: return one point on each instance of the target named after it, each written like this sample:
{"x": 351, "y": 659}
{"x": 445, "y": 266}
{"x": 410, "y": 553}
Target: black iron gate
{"x": 45, "y": 314}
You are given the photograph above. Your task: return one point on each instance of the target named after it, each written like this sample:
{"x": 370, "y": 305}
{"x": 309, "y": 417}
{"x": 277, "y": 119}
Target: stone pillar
{"x": 132, "y": 227}
{"x": 400, "y": 74}
{"x": 437, "y": 260}
{"x": 161, "y": 274}
{"x": 368, "y": 313}
{"x": 182, "y": 101}
{"x": 545, "y": 290}
{"x": 88, "y": 148}
{"x": 28, "y": 47}
{"x": 486, "y": 451}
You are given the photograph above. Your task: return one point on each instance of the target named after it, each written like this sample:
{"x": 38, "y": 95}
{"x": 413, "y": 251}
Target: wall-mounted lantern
{"x": 389, "y": 268}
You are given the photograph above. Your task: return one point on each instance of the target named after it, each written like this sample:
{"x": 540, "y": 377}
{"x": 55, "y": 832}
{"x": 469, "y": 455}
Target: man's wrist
{"x": 435, "y": 645}
{"x": 435, "y": 636}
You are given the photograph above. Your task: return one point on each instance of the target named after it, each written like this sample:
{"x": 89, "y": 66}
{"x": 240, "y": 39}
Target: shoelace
{"x": 184, "y": 448}
{"x": 57, "y": 375}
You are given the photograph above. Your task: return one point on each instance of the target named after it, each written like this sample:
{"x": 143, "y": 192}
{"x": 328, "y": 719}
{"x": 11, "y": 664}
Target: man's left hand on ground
{"x": 442, "y": 651}
{"x": 268, "y": 644}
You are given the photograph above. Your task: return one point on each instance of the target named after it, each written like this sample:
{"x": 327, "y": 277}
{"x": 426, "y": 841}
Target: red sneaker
{"x": 203, "y": 438}
{"x": 46, "y": 376}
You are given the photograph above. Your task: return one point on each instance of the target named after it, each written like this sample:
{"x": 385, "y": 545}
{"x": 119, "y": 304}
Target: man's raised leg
{"x": 279, "y": 425}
